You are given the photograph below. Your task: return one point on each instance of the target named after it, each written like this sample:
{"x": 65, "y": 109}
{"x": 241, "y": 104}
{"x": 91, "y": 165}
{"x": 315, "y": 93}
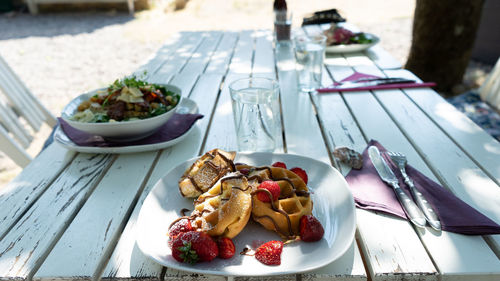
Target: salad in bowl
{"x": 341, "y": 39}
{"x": 128, "y": 109}
{"x": 125, "y": 100}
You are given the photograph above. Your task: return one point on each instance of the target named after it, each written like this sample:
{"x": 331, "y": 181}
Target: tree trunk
{"x": 443, "y": 37}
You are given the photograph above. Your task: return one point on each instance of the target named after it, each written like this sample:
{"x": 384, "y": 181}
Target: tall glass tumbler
{"x": 309, "y": 57}
{"x": 256, "y": 113}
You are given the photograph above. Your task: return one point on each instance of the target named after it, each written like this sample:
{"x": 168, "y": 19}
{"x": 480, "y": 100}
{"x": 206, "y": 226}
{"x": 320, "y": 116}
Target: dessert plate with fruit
{"x": 247, "y": 214}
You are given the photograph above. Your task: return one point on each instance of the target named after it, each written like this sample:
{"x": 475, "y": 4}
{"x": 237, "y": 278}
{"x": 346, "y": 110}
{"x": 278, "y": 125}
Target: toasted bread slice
{"x": 205, "y": 172}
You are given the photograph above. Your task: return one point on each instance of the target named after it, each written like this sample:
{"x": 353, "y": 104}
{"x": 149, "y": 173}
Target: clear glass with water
{"x": 309, "y": 57}
{"x": 256, "y": 113}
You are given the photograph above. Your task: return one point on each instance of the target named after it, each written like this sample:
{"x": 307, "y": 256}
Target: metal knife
{"x": 366, "y": 82}
{"x": 416, "y": 216}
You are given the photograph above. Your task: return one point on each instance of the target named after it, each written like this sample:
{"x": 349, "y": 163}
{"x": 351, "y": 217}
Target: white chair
{"x": 490, "y": 90}
{"x": 19, "y": 108}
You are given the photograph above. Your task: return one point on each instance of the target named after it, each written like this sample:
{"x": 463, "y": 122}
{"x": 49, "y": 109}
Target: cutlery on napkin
{"x": 361, "y": 81}
{"x": 371, "y": 193}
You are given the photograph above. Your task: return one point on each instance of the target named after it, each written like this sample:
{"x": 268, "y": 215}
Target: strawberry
{"x": 272, "y": 187}
{"x": 301, "y": 173}
{"x": 226, "y": 248}
{"x": 194, "y": 246}
{"x": 310, "y": 229}
{"x": 183, "y": 225}
{"x": 270, "y": 253}
{"x": 279, "y": 165}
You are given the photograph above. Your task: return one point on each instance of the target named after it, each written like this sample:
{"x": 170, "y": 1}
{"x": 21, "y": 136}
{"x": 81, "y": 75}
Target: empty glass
{"x": 309, "y": 57}
{"x": 256, "y": 113}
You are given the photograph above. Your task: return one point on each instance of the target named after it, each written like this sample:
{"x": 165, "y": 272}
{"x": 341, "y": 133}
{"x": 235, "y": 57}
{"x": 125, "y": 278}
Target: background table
{"x": 73, "y": 216}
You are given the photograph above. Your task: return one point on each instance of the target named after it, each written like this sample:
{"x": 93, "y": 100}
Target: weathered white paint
{"x": 302, "y": 133}
{"x": 479, "y": 145}
{"x": 222, "y": 133}
{"x": 202, "y": 55}
{"x": 24, "y": 248}
{"x": 17, "y": 196}
{"x": 221, "y": 58}
{"x": 264, "y": 53}
{"x": 98, "y": 225}
{"x": 178, "y": 59}
{"x": 156, "y": 60}
{"x": 241, "y": 62}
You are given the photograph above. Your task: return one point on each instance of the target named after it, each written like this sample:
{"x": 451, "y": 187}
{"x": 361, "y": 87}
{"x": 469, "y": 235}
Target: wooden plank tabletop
{"x": 74, "y": 216}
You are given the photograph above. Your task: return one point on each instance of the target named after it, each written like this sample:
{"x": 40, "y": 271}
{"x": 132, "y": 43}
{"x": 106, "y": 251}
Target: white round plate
{"x": 186, "y": 106}
{"x": 118, "y": 131}
{"x": 333, "y": 206}
{"x": 351, "y": 48}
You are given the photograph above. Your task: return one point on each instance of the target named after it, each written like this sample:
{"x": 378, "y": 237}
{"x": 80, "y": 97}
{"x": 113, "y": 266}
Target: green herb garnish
{"x": 360, "y": 38}
{"x": 101, "y": 118}
{"x": 159, "y": 110}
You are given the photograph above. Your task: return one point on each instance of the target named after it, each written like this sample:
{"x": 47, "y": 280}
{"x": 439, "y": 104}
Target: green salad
{"x": 126, "y": 99}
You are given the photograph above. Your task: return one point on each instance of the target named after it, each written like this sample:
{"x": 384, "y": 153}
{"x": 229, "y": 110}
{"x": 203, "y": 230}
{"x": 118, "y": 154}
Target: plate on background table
{"x": 333, "y": 206}
{"x": 186, "y": 106}
{"x": 351, "y": 48}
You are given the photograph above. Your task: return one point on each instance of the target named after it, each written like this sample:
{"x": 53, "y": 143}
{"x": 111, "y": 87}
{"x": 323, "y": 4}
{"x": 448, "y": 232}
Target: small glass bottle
{"x": 282, "y": 21}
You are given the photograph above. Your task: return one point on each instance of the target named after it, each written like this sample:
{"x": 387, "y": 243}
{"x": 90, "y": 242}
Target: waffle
{"x": 282, "y": 215}
{"x": 224, "y": 209}
{"x": 205, "y": 172}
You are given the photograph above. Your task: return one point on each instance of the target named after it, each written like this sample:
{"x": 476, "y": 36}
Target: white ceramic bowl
{"x": 118, "y": 131}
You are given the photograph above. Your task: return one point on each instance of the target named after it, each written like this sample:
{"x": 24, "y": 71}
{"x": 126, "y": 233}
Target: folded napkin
{"x": 371, "y": 193}
{"x": 176, "y": 126}
{"x": 359, "y": 75}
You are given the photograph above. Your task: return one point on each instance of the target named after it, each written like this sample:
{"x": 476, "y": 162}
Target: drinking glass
{"x": 256, "y": 113}
{"x": 309, "y": 57}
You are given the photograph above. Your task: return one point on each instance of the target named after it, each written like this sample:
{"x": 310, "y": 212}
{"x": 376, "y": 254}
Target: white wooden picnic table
{"x": 72, "y": 216}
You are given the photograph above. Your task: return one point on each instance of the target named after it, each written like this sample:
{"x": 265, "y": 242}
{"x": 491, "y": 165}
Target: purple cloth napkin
{"x": 371, "y": 193}
{"x": 176, "y": 126}
{"x": 359, "y": 75}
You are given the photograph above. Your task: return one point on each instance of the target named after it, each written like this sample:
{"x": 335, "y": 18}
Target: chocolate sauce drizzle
{"x": 183, "y": 211}
{"x": 276, "y": 209}
{"x": 220, "y": 171}
{"x": 201, "y": 200}
{"x": 304, "y": 193}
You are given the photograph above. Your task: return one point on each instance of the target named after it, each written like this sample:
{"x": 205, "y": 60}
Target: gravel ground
{"x": 60, "y": 55}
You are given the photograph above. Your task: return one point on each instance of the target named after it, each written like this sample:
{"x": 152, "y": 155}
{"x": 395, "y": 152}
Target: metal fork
{"x": 400, "y": 160}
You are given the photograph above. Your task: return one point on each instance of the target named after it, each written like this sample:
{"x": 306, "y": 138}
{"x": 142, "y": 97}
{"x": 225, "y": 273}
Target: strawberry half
{"x": 279, "y": 165}
{"x": 194, "y": 246}
{"x": 181, "y": 226}
{"x": 270, "y": 253}
{"x": 310, "y": 229}
{"x": 301, "y": 173}
{"x": 272, "y": 187}
{"x": 226, "y": 248}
